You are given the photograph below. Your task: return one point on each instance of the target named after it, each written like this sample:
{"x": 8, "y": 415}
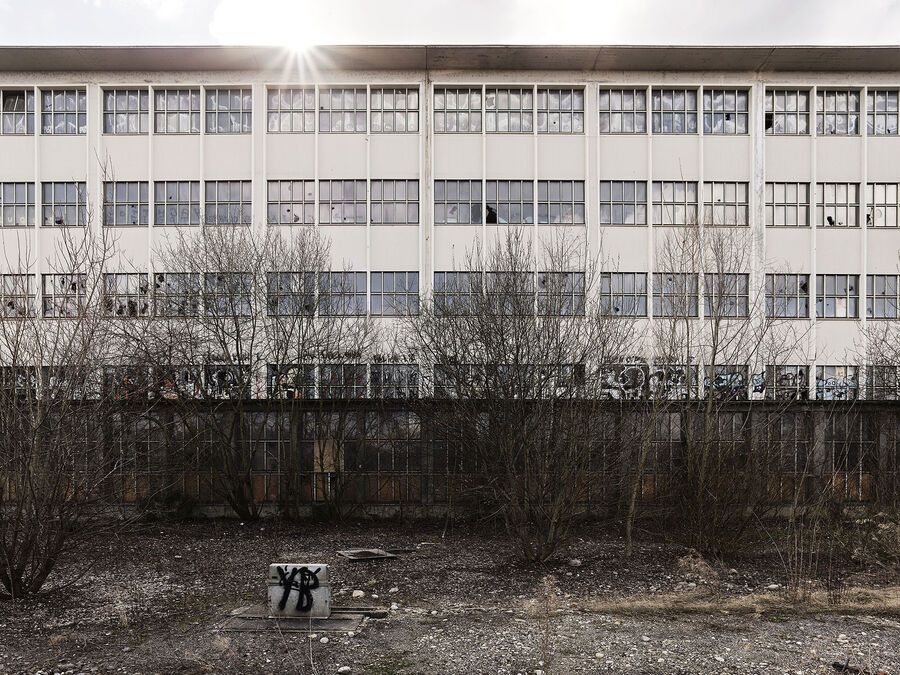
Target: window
{"x": 674, "y": 202}
{"x": 342, "y": 293}
{"x": 510, "y": 293}
{"x": 395, "y": 293}
{"x": 63, "y": 111}
{"x": 17, "y": 203}
{"x": 509, "y": 110}
{"x": 836, "y": 383}
{"x": 291, "y": 110}
{"x": 726, "y": 295}
{"x": 787, "y": 382}
{"x": 228, "y": 111}
{"x": 452, "y": 380}
{"x": 228, "y": 202}
{"x": 227, "y": 381}
{"x": 623, "y": 111}
{"x": 291, "y": 202}
{"x": 509, "y": 201}
{"x": 623, "y": 293}
{"x": 837, "y": 204}
{"x": 882, "y": 296}
{"x": 560, "y": 293}
{"x": 177, "y": 111}
{"x": 728, "y": 382}
{"x": 176, "y": 294}
{"x": 837, "y": 112}
{"x": 291, "y": 293}
{"x": 787, "y": 204}
{"x": 16, "y": 112}
{"x": 342, "y": 201}
{"x": 176, "y": 202}
{"x": 882, "y": 383}
{"x": 395, "y": 202}
{"x": 787, "y": 112}
{"x": 881, "y": 112}
{"x": 63, "y": 294}
{"x": 837, "y": 296}
{"x": 623, "y": 202}
{"x": 561, "y": 201}
{"x": 228, "y": 294}
{"x": 126, "y": 203}
{"x": 456, "y": 292}
{"x": 342, "y": 380}
{"x": 394, "y": 109}
{"x": 675, "y": 294}
{"x": 560, "y": 111}
{"x": 126, "y": 111}
{"x": 292, "y": 381}
{"x": 126, "y": 295}
{"x": 674, "y": 111}
{"x": 342, "y": 110}
{"x": 64, "y": 204}
{"x": 882, "y": 202}
{"x": 394, "y": 380}
{"x": 725, "y": 203}
{"x": 457, "y": 110}
{"x": 725, "y": 111}
{"x": 675, "y": 382}
{"x": 16, "y": 295}
{"x": 457, "y": 201}
{"x": 787, "y": 296}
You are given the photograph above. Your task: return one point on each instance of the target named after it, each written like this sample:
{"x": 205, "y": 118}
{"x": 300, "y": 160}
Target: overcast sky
{"x": 302, "y": 22}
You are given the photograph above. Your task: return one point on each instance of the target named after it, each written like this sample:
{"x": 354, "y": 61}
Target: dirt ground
{"x": 157, "y": 599}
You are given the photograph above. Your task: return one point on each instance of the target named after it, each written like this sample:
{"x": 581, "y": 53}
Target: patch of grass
{"x": 388, "y": 665}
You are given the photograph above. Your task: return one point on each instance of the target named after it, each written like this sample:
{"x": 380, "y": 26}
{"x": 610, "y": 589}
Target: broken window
{"x": 63, "y": 294}
{"x": 728, "y": 382}
{"x": 789, "y": 382}
{"x": 17, "y": 204}
{"x": 787, "y": 296}
{"x": 882, "y": 204}
{"x": 560, "y": 293}
{"x": 126, "y": 203}
{"x": 674, "y": 202}
{"x": 342, "y": 201}
{"x": 291, "y": 202}
{"x": 64, "y": 204}
{"x": 787, "y": 112}
{"x": 394, "y": 380}
{"x": 176, "y": 111}
{"x": 291, "y": 110}
{"x": 291, "y": 294}
{"x": 457, "y": 110}
{"x": 342, "y": 110}
{"x": 174, "y": 382}
{"x": 394, "y": 109}
{"x": 509, "y": 110}
{"x": 883, "y": 296}
{"x": 16, "y": 295}
{"x": 228, "y": 294}
{"x": 623, "y": 202}
{"x": 836, "y": 383}
{"x": 675, "y": 294}
{"x": 456, "y": 292}
{"x": 395, "y": 202}
{"x": 675, "y": 381}
{"x": 227, "y": 381}
{"x": 837, "y": 204}
{"x": 342, "y": 293}
{"x": 63, "y": 111}
{"x": 837, "y": 296}
{"x": 342, "y": 380}
{"x": 126, "y": 295}
{"x": 228, "y": 202}
{"x": 725, "y": 111}
{"x": 126, "y": 111}
{"x": 126, "y": 382}
{"x": 623, "y": 111}
{"x": 291, "y": 381}
{"x": 787, "y": 204}
{"x": 726, "y": 295}
{"x": 228, "y": 111}
{"x": 674, "y": 111}
{"x": 176, "y": 294}
{"x": 394, "y": 293}
{"x": 176, "y": 202}
{"x": 509, "y": 201}
{"x": 561, "y": 202}
{"x": 837, "y": 112}
{"x": 457, "y": 202}
{"x": 623, "y": 293}
{"x": 560, "y": 111}
{"x": 725, "y": 203}
{"x": 16, "y": 111}
{"x": 882, "y": 383}
{"x": 881, "y": 112}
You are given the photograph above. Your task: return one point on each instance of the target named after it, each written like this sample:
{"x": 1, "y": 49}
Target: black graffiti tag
{"x": 307, "y": 581}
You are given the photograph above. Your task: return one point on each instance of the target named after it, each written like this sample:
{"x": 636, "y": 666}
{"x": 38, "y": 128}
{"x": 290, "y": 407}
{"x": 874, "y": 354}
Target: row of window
{"x": 456, "y": 110}
{"x": 397, "y": 294}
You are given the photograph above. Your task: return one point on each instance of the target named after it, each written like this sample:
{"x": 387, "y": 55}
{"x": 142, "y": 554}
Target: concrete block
{"x": 299, "y": 590}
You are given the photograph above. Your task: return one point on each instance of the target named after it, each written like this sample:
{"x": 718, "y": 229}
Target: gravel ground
{"x": 156, "y": 601}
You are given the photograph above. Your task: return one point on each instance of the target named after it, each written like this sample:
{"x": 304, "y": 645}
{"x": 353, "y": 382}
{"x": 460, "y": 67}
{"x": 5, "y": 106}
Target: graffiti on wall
{"x": 301, "y": 579}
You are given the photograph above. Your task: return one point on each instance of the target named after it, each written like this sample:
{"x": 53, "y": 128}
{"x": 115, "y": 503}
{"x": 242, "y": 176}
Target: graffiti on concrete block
{"x": 304, "y": 580}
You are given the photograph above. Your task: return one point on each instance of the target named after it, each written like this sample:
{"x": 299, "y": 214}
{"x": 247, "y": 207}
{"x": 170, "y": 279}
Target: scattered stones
{"x": 393, "y": 589}
{"x": 344, "y": 669}
{"x": 575, "y": 562}
{"x": 644, "y": 638}
{"x": 395, "y": 606}
{"x": 324, "y": 640}
{"x": 773, "y": 587}
{"x": 358, "y": 594}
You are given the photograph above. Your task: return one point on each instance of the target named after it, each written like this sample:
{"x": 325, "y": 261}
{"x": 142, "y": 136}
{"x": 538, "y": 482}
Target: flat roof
{"x": 462, "y": 57}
